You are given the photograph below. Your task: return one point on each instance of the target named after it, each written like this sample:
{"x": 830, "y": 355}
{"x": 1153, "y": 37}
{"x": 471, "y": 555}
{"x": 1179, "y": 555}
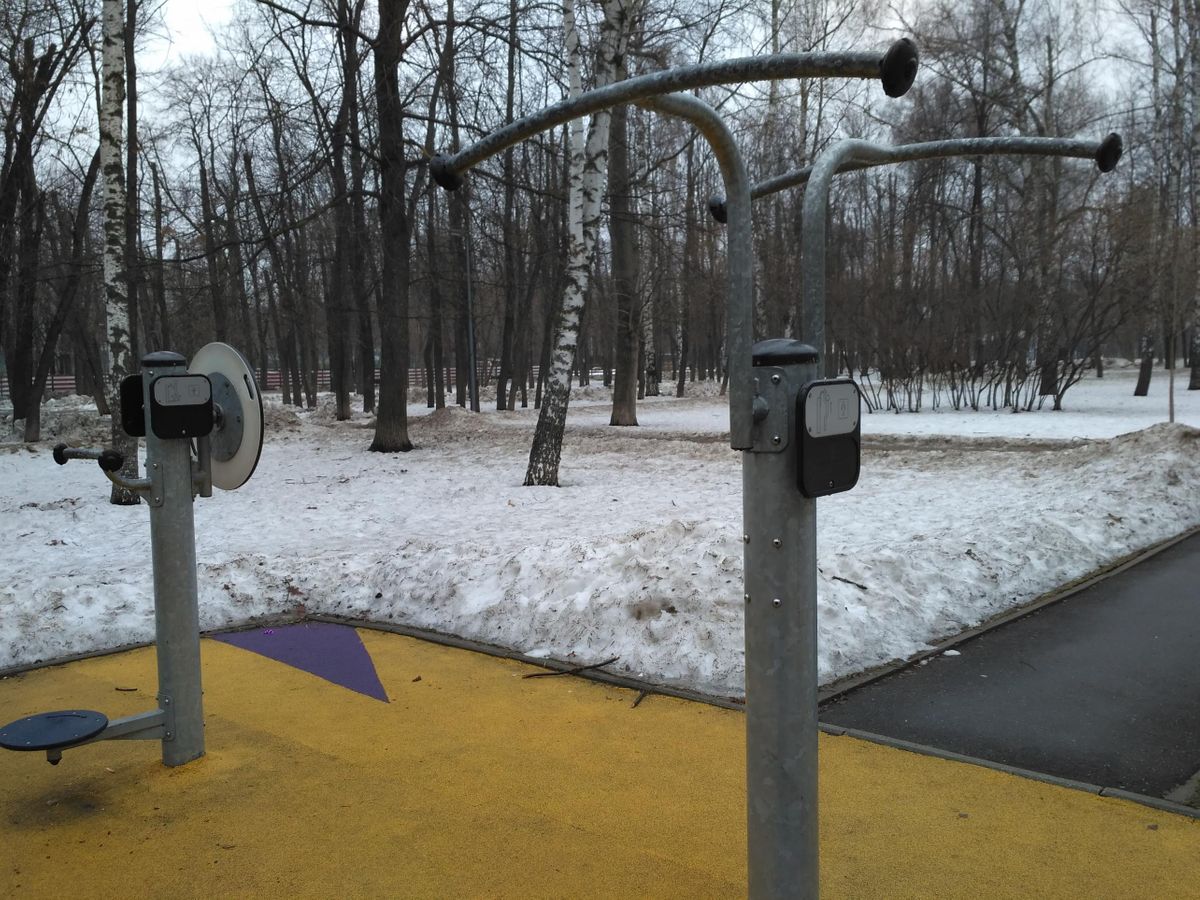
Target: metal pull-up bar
{"x": 895, "y": 68}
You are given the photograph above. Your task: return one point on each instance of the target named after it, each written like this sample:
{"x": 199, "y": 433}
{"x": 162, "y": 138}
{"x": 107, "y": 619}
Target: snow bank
{"x": 637, "y": 555}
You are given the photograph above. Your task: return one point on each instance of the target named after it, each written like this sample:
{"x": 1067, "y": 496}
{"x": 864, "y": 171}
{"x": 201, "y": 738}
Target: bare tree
{"x": 587, "y": 174}
{"x": 391, "y": 422}
{"x": 116, "y": 299}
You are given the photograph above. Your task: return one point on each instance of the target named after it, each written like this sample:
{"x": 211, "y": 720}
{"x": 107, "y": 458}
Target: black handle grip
{"x": 443, "y": 174}
{"x": 898, "y": 68}
{"x": 111, "y": 461}
{"x": 60, "y": 455}
{"x": 1109, "y": 153}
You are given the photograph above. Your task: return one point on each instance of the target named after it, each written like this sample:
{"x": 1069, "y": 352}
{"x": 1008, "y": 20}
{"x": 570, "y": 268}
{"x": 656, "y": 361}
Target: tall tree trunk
{"x": 391, "y": 423}
{"x": 160, "y": 282}
{"x": 71, "y": 252}
{"x": 1146, "y": 368}
{"x": 212, "y": 252}
{"x": 133, "y": 271}
{"x": 116, "y": 303}
{"x": 1193, "y": 143}
{"x": 588, "y": 168}
{"x": 237, "y": 270}
{"x": 691, "y": 265}
{"x": 511, "y": 290}
{"x": 436, "y": 337}
{"x": 621, "y": 229}
{"x": 32, "y": 217}
{"x": 358, "y": 251}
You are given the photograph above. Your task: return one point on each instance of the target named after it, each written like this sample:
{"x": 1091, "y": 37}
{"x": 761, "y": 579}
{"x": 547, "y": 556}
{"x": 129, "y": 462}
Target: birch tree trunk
{"x": 588, "y": 166}
{"x": 116, "y": 302}
{"x": 1193, "y": 23}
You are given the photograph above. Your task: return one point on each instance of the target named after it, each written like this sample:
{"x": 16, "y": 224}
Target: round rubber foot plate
{"x": 52, "y": 730}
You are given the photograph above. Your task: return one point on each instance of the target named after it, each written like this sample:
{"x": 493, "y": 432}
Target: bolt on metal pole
{"x": 173, "y": 547}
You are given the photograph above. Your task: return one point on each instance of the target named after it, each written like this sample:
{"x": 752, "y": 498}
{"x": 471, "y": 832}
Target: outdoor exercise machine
{"x": 203, "y": 426}
{"x": 819, "y": 453}
{"x": 764, "y": 383}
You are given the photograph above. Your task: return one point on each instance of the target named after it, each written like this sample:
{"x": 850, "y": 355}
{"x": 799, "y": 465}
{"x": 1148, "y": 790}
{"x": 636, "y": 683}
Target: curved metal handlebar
{"x": 111, "y": 461}
{"x": 1106, "y": 154}
{"x": 896, "y": 69}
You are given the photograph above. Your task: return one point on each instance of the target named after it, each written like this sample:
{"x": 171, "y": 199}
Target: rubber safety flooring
{"x": 1102, "y": 688}
{"x": 357, "y": 763}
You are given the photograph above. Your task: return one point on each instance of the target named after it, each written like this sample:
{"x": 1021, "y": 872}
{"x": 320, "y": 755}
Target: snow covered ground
{"x": 957, "y": 516}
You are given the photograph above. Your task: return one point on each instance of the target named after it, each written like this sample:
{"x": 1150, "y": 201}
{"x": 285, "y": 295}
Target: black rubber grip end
{"x": 718, "y": 210}
{"x": 1109, "y": 152}
{"x": 59, "y": 456}
{"x": 898, "y": 68}
{"x": 111, "y": 461}
{"x": 444, "y": 174}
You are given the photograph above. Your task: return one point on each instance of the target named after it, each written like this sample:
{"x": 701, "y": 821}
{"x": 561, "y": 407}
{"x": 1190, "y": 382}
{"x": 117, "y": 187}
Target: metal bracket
{"x": 154, "y": 473}
{"x": 772, "y": 410}
{"x": 147, "y": 726}
{"x": 167, "y": 708}
{"x": 202, "y": 467}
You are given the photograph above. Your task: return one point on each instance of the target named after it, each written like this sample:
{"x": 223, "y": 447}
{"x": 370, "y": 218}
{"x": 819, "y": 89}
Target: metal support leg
{"x": 176, "y": 613}
{"x": 781, "y": 648}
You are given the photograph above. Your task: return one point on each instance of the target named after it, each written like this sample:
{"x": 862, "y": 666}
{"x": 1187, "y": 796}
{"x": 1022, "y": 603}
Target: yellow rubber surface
{"x": 475, "y": 782}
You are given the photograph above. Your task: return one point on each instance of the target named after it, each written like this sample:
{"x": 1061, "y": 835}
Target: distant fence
{"x": 56, "y": 386}
{"x": 62, "y": 385}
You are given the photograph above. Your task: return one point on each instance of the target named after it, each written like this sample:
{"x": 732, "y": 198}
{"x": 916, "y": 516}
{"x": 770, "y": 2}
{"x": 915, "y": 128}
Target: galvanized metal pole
{"x": 781, "y": 728}
{"x": 779, "y": 531}
{"x": 780, "y": 538}
{"x": 173, "y": 548}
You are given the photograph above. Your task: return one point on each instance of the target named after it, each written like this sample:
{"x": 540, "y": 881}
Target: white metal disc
{"x": 221, "y": 359}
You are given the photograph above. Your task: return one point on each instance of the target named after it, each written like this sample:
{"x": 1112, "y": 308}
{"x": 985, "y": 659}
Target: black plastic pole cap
{"x": 782, "y": 352}
{"x": 717, "y": 209}
{"x": 1109, "y": 152}
{"x": 59, "y": 456}
{"x": 445, "y": 175}
{"x": 111, "y": 460}
{"x": 898, "y": 68}
{"x": 163, "y": 359}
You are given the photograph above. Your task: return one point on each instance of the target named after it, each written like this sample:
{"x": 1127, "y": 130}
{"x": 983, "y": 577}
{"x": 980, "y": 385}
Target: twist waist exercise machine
{"x": 203, "y": 426}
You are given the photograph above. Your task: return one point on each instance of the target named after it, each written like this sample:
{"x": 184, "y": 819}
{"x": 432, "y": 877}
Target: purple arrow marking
{"x": 332, "y": 652}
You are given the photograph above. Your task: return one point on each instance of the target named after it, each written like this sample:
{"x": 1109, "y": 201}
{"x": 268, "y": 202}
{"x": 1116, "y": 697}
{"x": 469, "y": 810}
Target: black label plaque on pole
{"x": 181, "y": 406}
{"x": 829, "y": 415}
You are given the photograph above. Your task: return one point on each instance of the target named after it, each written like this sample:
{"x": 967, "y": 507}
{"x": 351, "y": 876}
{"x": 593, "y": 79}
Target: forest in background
{"x": 276, "y": 195}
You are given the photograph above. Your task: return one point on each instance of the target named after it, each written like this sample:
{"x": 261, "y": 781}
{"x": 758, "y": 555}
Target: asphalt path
{"x": 1103, "y": 687}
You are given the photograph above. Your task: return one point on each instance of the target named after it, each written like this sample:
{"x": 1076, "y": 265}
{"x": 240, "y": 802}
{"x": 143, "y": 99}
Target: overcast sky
{"x": 188, "y": 22}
